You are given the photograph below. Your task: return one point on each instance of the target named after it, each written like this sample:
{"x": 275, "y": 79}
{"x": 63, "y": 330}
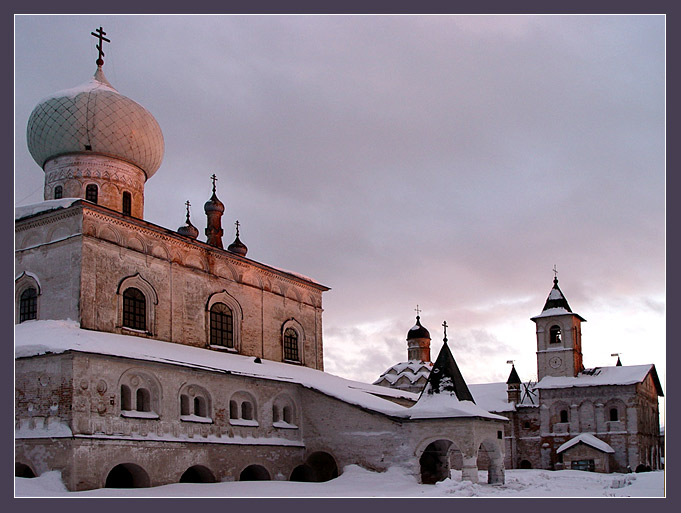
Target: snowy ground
{"x": 357, "y": 482}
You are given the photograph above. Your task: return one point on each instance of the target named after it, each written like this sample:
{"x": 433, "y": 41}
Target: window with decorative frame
{"x": 223, "y": 322}
{"x": 28, "y": 305}
{"x": 134, "y": 309}
{"x": 58, "y": 192}
{"x": 221, "y": 326}
{"x": 291, "y": 345}
{"x": 27, "y": 296}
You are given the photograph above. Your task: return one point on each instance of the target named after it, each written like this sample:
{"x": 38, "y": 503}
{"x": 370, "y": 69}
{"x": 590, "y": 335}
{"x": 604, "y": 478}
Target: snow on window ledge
{"x": 284, "y": 425}
{"x": 223, "y": 348}
{"x": 244, "y": 422}
{"x": 134, "y": 414}
{"x": 196, "y": 418}
{"x": 133, "y": 331}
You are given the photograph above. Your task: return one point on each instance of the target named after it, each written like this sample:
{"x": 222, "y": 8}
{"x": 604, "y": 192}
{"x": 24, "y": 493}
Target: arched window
{"x": 140, "y": 395}
{"x": 554, "y": 334}
{"x": 127, "y": 203}
{"x": 283, "y": 412}
{"x": 563, "y": 416}
{"x": 58, "y": 192}
{"x": 91, "y": 193}
{"x": 291, "y": 345}
{"x": 221, "y": 326}
{"x": 28, "y": 305}
{"x": 134, "y": 309}
{"x": 242, "y": 409}
{"x": 614, "y": 415}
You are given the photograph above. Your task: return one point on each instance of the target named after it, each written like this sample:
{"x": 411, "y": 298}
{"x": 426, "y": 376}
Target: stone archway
{"x": 525, "y": 464}
{"x": 254, "y": 473}
{"x": 22, "y": 470}
{"x": 197, "y": 474}
{"x": 127, "y": 475}
{"x": 434, "y": 462}
{"x": 318, "y": 467}
{"x": 491, "y": 455}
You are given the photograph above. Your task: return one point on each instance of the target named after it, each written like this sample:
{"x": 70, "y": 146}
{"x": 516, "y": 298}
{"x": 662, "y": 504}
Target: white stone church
{"x": 145, "y": 356}
{"x": 603, "y": 419}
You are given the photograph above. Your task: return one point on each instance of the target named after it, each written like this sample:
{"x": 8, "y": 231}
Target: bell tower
{"x": 559, "y": 337}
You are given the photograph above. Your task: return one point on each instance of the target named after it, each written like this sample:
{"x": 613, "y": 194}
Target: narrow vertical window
{"x": 134, "y": 309}
{"x": 184, "y": 404}
{"x": 221, "y": 326}
{"x": 91, "y": 193}
{"x": 200, "y": 407}
{"x": 28, "y": 305}
{"x": 127, "y": 203}
{"x": 563, "y": 416}
{"x": 288, "y": 418}
{"x": 275, "y": 413}
{"x": 246, "y": 410}
{"x": 291, "y": 345}
{"x": 58, "y": 192}
{"x": 143, "y": 400}
{"x": 614, "y": 415}
{"x": 126, "y": 398}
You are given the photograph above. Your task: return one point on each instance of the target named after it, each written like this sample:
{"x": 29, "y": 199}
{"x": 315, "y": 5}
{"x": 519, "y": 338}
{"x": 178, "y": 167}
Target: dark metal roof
{"x": 446, "y": 377}
{"x": 513, "y": 378}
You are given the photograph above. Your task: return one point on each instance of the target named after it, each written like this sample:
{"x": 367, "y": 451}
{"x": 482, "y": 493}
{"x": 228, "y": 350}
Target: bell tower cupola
{"x": 559, "y": 336}
{"x": 214, "y": 209}
{"x": 418, "y": 342}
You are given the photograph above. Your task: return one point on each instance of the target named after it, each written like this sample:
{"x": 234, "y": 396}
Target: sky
{"x": 448, "y": 162}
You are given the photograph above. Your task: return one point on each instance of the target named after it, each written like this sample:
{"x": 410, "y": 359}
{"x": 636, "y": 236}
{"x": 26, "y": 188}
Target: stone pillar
{"x": 574, "y": 419}
{"x": 469, "y": 472}
{"x": 601, "y": 425}
{"x": 496, "y": 473}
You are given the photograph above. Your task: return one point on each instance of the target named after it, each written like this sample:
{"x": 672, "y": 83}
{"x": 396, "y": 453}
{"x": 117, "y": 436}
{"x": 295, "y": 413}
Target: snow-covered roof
{"x": 44, "y": 337}
{"x": 598, "y": 376}
{"x": 43, "y": 206}
{"x": 413, "y": 370}
{"x": 587, "y": 439}
{"x": 446, "y": 404}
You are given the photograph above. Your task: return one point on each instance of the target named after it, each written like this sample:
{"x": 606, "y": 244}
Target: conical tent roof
{"x": 446, "y": 377}
{"x": 513, "y": 378}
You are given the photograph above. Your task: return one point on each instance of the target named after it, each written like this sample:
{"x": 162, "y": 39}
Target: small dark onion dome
{"x": 214, "y": 205}
{"x": 237, "y": 246}
{"x": 188, "y": 229}
{"x": 418, "y": 331}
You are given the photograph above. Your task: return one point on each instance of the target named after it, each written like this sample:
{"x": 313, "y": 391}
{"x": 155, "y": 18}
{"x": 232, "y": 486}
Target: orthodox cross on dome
{"x": 100, "y": 35}
{"x": 555, "y": 273}
{"x": 237, "y": 227}
{"x": 188, "y": 205}
{"x": 444, "y": 324}
{"x": 215, "y": 179}
{"x": 418, "y": 311}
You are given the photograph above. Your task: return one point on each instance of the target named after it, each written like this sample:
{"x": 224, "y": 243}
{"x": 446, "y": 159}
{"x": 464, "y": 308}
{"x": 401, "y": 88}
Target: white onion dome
{"x": 94, "y": 118}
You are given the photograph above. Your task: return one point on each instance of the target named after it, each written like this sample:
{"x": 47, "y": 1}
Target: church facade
{"x": 144, "y": 356}
{"x": 603, "y": 419}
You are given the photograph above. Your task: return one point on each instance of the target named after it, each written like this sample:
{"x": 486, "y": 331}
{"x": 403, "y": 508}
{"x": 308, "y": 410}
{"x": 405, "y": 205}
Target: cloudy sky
{"x": 444, "y": 161}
